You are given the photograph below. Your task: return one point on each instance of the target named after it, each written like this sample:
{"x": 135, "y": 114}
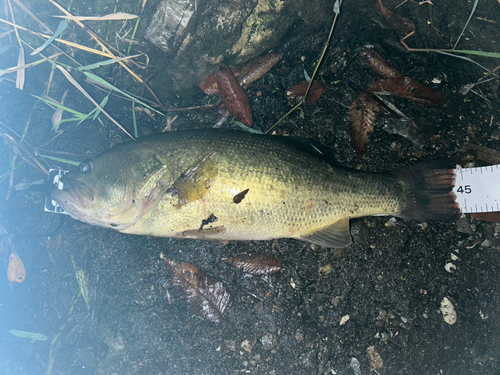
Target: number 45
{"x": 464, "y": 189}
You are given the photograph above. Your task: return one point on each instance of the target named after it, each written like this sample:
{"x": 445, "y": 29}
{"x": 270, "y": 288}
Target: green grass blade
{"x": 133, "y": 34}
{"x": 463, "y": 58}
{"x": 28, "y": 335}
{"x": 87, "y": 116}
{"x": 106, "y": 62}
{"x": 110, "y": 86}
{"x": 467, "y": 23}
{"x": 477, "y": 53}
{"x": 60, "y": 160}
{"x": 247, "y": 128}
{"x": 97, "y": 110}
{"x": 72, "y": 119}
{"x": 57, "y": 105}
{"x": 62, "y": 26}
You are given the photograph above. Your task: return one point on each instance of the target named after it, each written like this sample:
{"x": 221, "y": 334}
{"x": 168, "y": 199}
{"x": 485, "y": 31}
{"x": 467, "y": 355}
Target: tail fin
{"x": 431, "y": 195}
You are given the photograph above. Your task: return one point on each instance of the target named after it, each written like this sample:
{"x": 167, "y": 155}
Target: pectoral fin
{"x": 336, "y": 235}
{"x": 195, "y": 181}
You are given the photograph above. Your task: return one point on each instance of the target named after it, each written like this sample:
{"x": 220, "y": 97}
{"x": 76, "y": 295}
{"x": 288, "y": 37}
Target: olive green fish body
{"x": 224, "y": 185}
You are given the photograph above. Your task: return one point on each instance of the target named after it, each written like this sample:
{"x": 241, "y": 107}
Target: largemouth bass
{"x": 222, "y": 185}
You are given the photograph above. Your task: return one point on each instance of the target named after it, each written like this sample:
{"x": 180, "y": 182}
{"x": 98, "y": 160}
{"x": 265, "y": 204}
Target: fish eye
{"x": 86, "y": 166}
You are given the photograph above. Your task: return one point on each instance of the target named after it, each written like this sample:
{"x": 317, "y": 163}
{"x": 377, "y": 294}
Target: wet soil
{"x": 389, "y": 283}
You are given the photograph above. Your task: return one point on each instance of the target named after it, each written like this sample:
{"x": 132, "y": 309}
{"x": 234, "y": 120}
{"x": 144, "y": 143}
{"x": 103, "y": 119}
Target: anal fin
{"x": 336, "y": 235}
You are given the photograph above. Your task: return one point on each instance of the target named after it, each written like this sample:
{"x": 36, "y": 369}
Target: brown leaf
{"x": 374, "y": 357}
{"x": 234, "y": 96}
{"x": 256, "y": 68}
{"x": 493, "y": 217}
{"x": 362, "y": 118}
{"x": 255, "y": 264}
{"x": 378, "y": 64}
{"x": 209, "y": 84}
{"x": 408, "y": 88}
{"x": 205, "y": 296}
{"x": 401, "y": 24}
{"x": 16, "y": 271}
{"x": 298, "y": 91}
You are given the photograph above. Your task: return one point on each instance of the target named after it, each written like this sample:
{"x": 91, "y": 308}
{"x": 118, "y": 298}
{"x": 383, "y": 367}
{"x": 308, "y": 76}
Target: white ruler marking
{"x": 478, "y": 189}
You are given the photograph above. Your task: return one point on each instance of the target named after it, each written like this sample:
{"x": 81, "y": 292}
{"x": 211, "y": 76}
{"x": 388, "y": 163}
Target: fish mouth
{"x": 78, "y": 200}
{"x": 76, "y": 196}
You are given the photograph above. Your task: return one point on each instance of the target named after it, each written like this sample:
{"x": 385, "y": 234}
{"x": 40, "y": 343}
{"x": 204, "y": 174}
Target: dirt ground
{"x": 389, "y": 284}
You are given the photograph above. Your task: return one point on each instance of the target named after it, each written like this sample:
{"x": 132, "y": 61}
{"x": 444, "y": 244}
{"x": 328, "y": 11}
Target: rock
{"x": 448, "y": 311}
{"x": 486, "y": 243}
{"x": 355, "y": 365}
{"x": 344, "y": 320}
{"x": 269, "y": 341}
{"x": 195, "y": 42}
{"x": 463, "y": 226}
{"x": 299, "y": 335}
{"x": 247, "y": 346}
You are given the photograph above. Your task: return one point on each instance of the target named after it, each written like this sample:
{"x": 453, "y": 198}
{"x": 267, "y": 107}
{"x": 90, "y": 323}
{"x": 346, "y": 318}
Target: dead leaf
{"x": 209, "y": 84}
{"x": 251, "y": 72}
{"x": 16, "y": 271}
{"x": 374, "y": 358}
{"x": 205, "y": 296}
{"x": 401, "y": 24}
{"x": 298, "y": 91}
{"x": 378, "y": 64}
{"x": 405, "y": 87}
{"x": 233, "y": 96}
{"x": 21, "y": 73}
{"x": 118, "y": 16}
{"x": 362, "y": 117}
{"x": 255, "y": 264}
{"x": 258, "y": 67}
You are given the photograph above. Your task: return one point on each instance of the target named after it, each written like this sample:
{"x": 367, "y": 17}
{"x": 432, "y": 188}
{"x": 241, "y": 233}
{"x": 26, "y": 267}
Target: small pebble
{"x": 344, "y": 320}
{"x": 448, "y": 311}
{"x": 246, "y": 346}
{"x": 355, "y": 366}
{"x": 299, "y": 335}
{"x": 486, "y": 243}
{"x": 268, "y": 341}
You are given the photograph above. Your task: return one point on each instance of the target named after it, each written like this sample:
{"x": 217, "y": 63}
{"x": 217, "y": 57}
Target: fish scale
{"x": 171, "y": 184}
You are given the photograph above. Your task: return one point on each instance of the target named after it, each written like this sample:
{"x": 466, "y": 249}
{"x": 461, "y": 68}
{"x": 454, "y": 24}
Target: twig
{"x": 82, "y": 90}
{"x": 21, "y": 73}
{"x": 68, "y": 43}
{"x": 98, "y": 40}
{"x": 336, "y": 9}
{"x": 23, "y": 7}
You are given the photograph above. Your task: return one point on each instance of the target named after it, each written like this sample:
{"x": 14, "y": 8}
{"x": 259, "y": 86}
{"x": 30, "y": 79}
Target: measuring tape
{"x": 478, "y": 189}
